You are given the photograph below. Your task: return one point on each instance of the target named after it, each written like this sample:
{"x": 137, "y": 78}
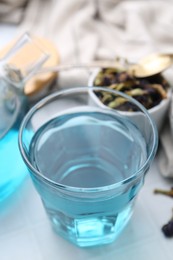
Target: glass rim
{"x": 46, "y": 100}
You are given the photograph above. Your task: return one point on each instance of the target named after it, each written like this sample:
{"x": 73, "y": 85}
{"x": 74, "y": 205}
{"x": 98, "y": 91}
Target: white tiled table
{"x": 25, "y": 232}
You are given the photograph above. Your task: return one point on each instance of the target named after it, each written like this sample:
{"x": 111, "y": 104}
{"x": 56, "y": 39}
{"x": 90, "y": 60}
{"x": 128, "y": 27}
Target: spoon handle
{"x": 92, "y": 64}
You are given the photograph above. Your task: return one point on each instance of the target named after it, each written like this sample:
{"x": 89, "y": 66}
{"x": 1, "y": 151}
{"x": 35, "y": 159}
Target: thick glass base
{"x": 90, "y": 230}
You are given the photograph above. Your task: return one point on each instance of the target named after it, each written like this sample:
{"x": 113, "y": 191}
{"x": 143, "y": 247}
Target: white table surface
{"x": 25, "y": 232}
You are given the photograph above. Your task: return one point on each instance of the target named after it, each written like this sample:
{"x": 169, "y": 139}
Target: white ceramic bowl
{"x": 157, "y": 113}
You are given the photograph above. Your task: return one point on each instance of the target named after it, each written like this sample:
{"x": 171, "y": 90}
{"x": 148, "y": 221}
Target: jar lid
{"x": 27, "y": 55}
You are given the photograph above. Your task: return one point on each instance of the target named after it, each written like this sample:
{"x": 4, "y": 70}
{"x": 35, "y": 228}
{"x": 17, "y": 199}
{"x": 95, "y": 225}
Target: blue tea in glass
{"x": 87, "y": 163}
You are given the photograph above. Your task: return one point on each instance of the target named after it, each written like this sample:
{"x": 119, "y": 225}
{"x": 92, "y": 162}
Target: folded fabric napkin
{"x": 96, "y": 29}
{"x": 165, "y": 152}
{"x": 12, "y": 11}
{"x": 165, "y": 157}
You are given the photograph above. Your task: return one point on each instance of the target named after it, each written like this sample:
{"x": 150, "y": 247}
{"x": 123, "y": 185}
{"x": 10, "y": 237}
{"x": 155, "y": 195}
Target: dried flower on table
{"x": 167, "y": 229}
{"x": 165, "y": 192}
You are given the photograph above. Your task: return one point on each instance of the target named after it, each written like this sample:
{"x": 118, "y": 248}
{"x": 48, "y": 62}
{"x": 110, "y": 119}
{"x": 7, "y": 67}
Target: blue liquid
{"x": 88, "y": 150}
{"x": 12, "y": 167}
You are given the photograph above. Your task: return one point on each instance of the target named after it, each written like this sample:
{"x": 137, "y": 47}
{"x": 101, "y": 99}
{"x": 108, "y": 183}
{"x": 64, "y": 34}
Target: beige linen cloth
{"x": 92, "y": 29}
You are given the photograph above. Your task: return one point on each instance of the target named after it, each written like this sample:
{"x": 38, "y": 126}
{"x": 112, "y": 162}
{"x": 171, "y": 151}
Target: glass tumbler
{"x": 87, "y": 161}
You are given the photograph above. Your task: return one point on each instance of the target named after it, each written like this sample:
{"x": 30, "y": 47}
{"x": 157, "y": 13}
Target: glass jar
{"x": 13, "y": 106}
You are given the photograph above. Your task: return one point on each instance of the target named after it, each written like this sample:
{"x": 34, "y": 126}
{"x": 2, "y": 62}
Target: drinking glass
{"x": 87, "y": 161}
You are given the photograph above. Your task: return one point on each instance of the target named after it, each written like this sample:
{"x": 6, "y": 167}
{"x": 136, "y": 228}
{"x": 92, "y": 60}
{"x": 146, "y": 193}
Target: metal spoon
{"x": 148, "y": 66}
{"x": 89, "y": 65}
{"x": 151, "y": 65}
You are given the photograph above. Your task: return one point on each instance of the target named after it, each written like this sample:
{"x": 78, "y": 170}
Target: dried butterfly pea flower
{"x": 106, "y": 97}
{"x": 117, "y": 102}
{"x": 160, "y": 90}
{"x": 148, "y": 91}
{"x": 167, "y": 228}
{"x": 136, "y": 92}
{"x": 164, "y": 192}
